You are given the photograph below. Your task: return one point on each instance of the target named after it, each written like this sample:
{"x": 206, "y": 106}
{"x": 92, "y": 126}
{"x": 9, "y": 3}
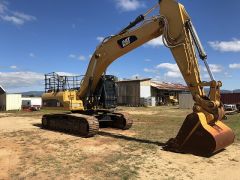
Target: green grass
{"x": 233, "y": 122}
{"x": 41, "y": 112}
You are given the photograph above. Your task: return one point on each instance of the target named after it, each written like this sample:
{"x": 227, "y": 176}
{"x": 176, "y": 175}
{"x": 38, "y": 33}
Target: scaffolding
{"x": 55, "y": 82}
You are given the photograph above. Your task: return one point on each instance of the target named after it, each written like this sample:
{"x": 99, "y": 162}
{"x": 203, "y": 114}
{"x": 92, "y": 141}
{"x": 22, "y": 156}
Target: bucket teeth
{"x": 198, "y": 137}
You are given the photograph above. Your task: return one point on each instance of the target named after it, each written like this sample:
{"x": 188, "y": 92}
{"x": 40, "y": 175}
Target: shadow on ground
{"x": 128, "y": 138}
{"x": 113, "y": 135}
{"x": 134, "y": 139}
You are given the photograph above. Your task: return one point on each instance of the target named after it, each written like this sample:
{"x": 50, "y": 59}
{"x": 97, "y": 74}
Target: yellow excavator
{"x": 202, "y": 132}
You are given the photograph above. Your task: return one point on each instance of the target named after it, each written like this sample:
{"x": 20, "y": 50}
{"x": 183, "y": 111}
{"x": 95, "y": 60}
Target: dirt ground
{"x": 29, "y": 152}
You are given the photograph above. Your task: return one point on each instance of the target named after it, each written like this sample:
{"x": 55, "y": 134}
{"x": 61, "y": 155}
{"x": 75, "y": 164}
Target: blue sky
{"x": 38, "y": 37}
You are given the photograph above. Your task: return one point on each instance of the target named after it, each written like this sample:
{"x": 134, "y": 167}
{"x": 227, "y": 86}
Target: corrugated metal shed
{"x": 131, "y": 92}
{"x": 139, "y": 92}
{"x": 230, "y": 98}
{"x": 2, "y": 91}
{"x": 186, "y": 101}
{"x": 169, "y": 86}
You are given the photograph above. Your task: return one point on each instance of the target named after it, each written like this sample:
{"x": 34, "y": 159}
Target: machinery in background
{"x": 65, "y": 88}
{"x": 231, "y": 109}
{"x": 85, "y": 120}
{"x": 202, "y": 132}
{"x": 173, "y": 100}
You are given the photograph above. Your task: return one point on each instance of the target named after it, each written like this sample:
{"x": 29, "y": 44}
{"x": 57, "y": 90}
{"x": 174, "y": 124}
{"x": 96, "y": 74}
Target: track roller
{"x": 79, "y": 124}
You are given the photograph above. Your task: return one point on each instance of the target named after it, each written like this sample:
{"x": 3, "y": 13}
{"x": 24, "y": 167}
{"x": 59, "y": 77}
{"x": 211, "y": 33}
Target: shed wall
{"x": 145, "y": 91}
{"x": 3, "y": 102}
{"x": 230, "y": 98}
{"x": 129, "y": 93}
{"x": 185, "y": 101}
{"x": 13, "y": 102}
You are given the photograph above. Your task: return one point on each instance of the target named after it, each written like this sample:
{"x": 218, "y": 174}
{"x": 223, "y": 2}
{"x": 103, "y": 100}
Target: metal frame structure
{"x": 55, "y": 82}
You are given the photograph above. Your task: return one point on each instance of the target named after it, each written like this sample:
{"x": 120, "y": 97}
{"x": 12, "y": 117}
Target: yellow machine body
{"x": 63, "y": 100}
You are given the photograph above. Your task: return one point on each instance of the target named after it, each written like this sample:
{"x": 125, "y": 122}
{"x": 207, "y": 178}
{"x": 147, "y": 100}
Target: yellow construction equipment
{"x": 202, "y": 132}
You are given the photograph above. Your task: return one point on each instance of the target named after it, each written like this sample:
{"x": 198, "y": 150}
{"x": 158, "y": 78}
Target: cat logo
{"x": 124, "y": 42}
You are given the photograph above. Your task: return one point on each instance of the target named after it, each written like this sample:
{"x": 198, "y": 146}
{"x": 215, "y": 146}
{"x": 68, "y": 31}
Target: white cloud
{"x": 3, "y": 7}
{"x": 100, "y": 38}
{"x": 66, "y": 74}
{"x": 172, "y": 70}
{"x": 234, "y": 66}
{"x": 169, "y": 66}
{"x": 14, "y": 17}
{"x": 73, "y": 56}
{"x": 13, "y": 67}
{"x": 147, "y": 60}
{"x": 157, "y": 78}
{"x": 32, "y": 55}
{"x": 82, "y": 58}
{"x": 90, "y": 56}
{"x": 157, "y": 42}
{"x": 24, "y": 17}
{"x": 129, "y": 5}
{"x": 173, "y": 74}
{"x": 226, "y": 46}
{"x": 11, "y": 80}
{"x": 150, "y": 70}
{"x": 214, "y": 68}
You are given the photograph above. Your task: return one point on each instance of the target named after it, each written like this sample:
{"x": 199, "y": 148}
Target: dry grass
{"x": 112, "y": 154}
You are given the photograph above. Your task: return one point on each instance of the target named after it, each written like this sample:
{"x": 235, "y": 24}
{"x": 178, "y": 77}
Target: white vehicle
{"x": 230, "y": 107}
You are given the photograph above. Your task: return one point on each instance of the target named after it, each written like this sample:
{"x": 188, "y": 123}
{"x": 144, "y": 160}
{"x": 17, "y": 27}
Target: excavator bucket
{"x": 198, "y": 137}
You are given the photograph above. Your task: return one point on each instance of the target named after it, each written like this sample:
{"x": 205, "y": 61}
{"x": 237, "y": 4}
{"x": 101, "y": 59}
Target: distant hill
{"x": 236, "y": 91}
{"x": 223, "y": 91}
{"x": 32, "y": 93}
{"x": 226, "y": 91}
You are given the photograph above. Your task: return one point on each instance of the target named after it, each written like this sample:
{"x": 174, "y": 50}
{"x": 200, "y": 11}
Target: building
{"x": 167, "y": 93}
{"x": 31, "y": 102}
{"x": 9, "y": 102}
{"x": 230, "y": 98}
{"x": 140, "y": 92}
{"x": 133, "y": 92}
{"x": 186, "y": 101}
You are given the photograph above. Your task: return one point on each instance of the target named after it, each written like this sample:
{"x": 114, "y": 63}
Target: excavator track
{"x": 79, "y": 124}
{"x": 109, "y": 119}
{"x": 122, "y": 121}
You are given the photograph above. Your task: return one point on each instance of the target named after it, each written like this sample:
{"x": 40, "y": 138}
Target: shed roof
{"x": 134, "y": 80}
{"x": 2, "y": 91}
{"x": 169, "y": 86}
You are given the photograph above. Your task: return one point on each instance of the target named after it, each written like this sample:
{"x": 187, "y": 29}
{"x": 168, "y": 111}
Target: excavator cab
{"x": 105, "y": 94}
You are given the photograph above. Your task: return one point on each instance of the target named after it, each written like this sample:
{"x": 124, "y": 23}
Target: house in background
{"x": 145, "y": 92}
{"x": 9, "y": 102}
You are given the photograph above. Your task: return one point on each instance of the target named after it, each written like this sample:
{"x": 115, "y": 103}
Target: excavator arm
{"x": 203, "y": 129}
{"x": 115, "y": 46}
